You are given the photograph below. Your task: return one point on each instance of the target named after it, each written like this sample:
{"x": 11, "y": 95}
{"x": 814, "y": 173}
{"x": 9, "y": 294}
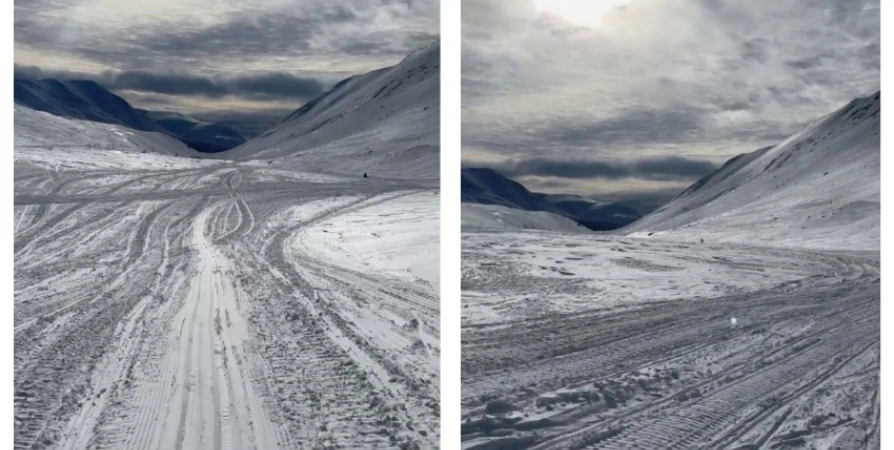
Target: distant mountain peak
{"x": 88, "y": 100}
{"x": 487, "y": 186}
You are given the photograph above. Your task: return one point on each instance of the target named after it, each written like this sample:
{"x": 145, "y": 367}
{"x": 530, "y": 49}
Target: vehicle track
{"x": 674, "y": 374}
{"x": 148, "y": 317}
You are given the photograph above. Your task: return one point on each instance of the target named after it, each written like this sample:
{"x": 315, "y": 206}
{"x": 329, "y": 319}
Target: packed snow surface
{"x": 742, "y": 315}
{"x": 170, "y": 302}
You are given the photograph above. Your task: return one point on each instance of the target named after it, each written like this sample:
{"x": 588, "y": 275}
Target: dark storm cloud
{"x": 643, "y": 126}
{"x": 642, "y": 130}
{"x": 275, "y": 34}
{"x": 36, "y": 73}
{"x": 212, "y": 54}
{"x": 699, "y": 79}
{"x": 384, "y": 29}
{"x": 250, "y": 86}
{"x": 279, "y": 35}
{"x": 661, "y": 168}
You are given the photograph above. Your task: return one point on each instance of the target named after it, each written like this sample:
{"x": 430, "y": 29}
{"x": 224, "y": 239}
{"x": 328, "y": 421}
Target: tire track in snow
{"x": 203, "y": 410}
{"x": 153, "y": 347}
{"x": 674, "y": 374}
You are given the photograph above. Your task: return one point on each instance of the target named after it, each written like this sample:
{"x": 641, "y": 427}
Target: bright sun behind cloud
{"x": 586, "y": 13}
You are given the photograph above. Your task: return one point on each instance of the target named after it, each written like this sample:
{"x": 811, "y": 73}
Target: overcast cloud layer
{"x": 656, "y": 92}
{"x": 217, "y": 54}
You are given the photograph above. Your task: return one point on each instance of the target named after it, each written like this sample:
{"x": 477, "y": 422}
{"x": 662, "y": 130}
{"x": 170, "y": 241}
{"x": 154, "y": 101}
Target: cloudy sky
{"x": 244, "y": 56}
{"x": 614, "y": 96}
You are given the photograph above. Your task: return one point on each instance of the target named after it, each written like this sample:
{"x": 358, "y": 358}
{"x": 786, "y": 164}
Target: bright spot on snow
{"x": 586, "y": 13}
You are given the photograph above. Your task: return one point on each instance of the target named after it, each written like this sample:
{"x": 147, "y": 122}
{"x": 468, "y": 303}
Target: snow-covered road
{"x": 578, "y": 341}
{"x": 166, "y": 302}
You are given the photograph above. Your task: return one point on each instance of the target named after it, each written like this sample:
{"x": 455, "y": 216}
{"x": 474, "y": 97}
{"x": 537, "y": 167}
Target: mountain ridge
{"x": 88, "y": 100}
{"x": 384, "y": 122}
{"x": 487, "y": 186}
{"x": 800, "y": 192}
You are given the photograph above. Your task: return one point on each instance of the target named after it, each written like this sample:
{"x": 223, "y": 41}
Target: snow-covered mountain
{"x": 48, "y": 131}
{"x": 607, "y": 216}
{"x": 592, "y": 213}
{"x": 87, "y": 100}
{"x": 385, "y": 122}
{"x": 571, "y": 204}
{"x": 80, "y": 99}
{"x": 488, "y": 187}
{"x": 202, "y": 136}
{"x": 819, "y": 188}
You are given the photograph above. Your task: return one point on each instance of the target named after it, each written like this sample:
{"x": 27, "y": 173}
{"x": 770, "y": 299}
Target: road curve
{"x": 167, "y": 309}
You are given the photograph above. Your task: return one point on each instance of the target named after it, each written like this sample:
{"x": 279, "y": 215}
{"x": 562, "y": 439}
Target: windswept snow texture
{"x": 169, "y": 302}
{"x": 763, "y": 336}
{"x": 384, "y": 123}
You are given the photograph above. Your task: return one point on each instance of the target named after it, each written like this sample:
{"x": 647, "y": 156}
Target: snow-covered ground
{"x": 168, "y": 301}
{"x": 511, "y": 275}
{"x": 497, "y": 217}
{"x": 379, "y": 238}
{"x": 581, "y": 341}
{"x": 39, "y": 129}
{"x": 742, "y": 315}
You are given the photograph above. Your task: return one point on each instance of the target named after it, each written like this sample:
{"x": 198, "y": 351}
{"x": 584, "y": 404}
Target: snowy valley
{"x": 744, "y": 314}
{"x": 268, "y": 297}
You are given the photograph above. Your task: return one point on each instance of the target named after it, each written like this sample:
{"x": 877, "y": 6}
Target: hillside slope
{"x": 817, "y": 189}
{"x": 385, "y": 122}
{"x": 80, "y": 99}
{"x": 38, "y": 129}
{"x": 477, "y": 217}
{"x": 87, "y": 100}
{"x": 488, "y": 187}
